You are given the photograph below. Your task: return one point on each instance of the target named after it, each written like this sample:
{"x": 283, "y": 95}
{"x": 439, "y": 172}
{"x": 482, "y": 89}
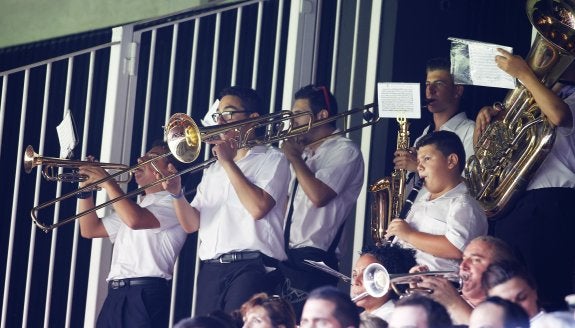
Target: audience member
{"x": 417, "y": 311}
{"x": 263, "y": 311}
{"x": 329, "y": 307}
{"x": 496, "y": 312}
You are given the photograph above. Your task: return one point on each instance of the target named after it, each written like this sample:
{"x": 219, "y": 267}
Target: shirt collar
{"x": 454, "y": 122}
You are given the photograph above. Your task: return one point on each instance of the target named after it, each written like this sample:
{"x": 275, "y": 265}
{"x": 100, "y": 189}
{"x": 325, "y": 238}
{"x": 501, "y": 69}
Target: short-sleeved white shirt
{"x": 463, "y": 127}
{"x": 455, "y": 215}
{"x": 384, "y": 312}
{"x": 558, "y": 168}
{"x": 146, "y": 252}
{"x": 338, "y": 163}
{"x": 225, "y": 225}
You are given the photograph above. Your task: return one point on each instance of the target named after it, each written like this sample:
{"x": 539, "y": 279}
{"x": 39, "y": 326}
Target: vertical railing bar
{"x": 3, "y": 107}
{"x": 173, "y": 293}
{"x": 257, "y": 46}
{"x": 85, "y": 135}
{"x": 148, "y": 91}
{"x": 193, "y": 67}
{"x": 353, "y": 62}
{"x": 33, "y": 230}
{"x": 171, "y": 72}
{"x": 277, "y": 49}
{"x": 54, "y": 239}
{"x": 237, "y": 37}
{"x": 215, "y": 57}
{"x": 335, "y": 47}
{"x": 316, "y": 42}
{"x": 10, "y": 251}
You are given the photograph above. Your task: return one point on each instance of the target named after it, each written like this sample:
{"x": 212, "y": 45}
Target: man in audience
{"x": 329, "y": 307}
{"x": 496, "y": 312}
{"x": 417, "y": 311}
{"x": 477, "y": 256}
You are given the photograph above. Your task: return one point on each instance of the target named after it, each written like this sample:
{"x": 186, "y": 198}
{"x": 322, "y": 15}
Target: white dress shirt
{"x": 338, "y": 163}
{"x": 146, "y": 252}
{"x": 225, "y": 224}
{"x": 455, "y": 215}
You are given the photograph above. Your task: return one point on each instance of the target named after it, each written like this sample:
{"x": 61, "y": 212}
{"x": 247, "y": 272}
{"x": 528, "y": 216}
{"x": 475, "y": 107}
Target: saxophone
{"x": 519, "y": 138}
{"x": 389, "y": 192}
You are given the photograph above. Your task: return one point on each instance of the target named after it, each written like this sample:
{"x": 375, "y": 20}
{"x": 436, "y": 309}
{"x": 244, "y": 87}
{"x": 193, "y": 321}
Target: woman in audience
{"x": 263, "y": 311}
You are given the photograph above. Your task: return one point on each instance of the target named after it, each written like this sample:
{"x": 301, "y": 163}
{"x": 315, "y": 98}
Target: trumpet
{"x": 184, "y": 140}
{"x": 33, "y": 159}
{"x": 377, "y": 281}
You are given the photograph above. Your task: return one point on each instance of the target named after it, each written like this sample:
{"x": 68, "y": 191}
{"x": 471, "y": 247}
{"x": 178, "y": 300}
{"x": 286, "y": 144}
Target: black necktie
{"x": 289, "y": 216}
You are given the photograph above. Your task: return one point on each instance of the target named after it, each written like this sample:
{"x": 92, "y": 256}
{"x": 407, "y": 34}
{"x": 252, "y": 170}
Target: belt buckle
{"x": 118, "y": 284}
{"x": 221, "y": 259}
{"x": 234, "y": 258}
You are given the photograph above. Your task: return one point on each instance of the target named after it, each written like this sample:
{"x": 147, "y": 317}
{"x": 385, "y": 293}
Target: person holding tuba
{"x": 328, "y": 177}
{"x": 147, "y": 239}
{"x": 540, "y": 223}
{"x": 238, "y": 209}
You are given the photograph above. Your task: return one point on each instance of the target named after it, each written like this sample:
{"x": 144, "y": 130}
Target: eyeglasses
{"x": 325, "y": 93}
{"x": 227, "y": 115}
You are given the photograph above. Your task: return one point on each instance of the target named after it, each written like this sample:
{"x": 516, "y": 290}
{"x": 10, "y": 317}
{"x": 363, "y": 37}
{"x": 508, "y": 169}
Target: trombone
{"x": 32, "y": 160}
{"x": 184, "y": 140}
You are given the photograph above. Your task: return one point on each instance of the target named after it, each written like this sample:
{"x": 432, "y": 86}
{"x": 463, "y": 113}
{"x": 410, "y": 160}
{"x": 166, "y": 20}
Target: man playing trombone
{"x": 147, "y": 239}
{"x": 238, "y": 209}
{"x": 328, "y": 178}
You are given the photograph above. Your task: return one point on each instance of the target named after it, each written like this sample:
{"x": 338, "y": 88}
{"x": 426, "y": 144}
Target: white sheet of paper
{"x": 207, "y": 120}
{"x": 473, "y": 63}
{"x": 398, "y": 99}
{"x": 67, "y": 135}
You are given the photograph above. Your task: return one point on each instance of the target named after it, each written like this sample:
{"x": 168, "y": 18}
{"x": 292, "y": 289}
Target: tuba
{"x": 389, "y": 192}
{"x": 519, "y": 138}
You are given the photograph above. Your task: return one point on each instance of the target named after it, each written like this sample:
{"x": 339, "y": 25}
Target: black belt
{"x": 235, "y": 257}
{"x": 120, "y": 283}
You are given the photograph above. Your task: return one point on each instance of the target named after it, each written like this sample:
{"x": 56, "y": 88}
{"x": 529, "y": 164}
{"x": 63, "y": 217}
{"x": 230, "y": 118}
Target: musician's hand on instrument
{"x": 94, "y": 173}
{"x": 173, "y": 185}
{"x": 292, "y": 148}
{"x": 405, "y": 160}
{"x": 419, "y": 268}
{"x": 225, "y": 151}
{"x": 399, "y": 228}
{"x": 443, "y": 290}
{"x": 484, "y": 118}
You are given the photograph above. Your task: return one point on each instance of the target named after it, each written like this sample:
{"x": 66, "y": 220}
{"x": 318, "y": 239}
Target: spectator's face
{"x": 440, "y": 92}
{"x": 518, "y": 291}
{"x": 368, "y": 303}
{"x": 477, "y": 256}
{"x": 257, "y": 317}
{"x": 487, "y": 316}
{"x": 319, "y": 313}
{"x": 408, "y": 316}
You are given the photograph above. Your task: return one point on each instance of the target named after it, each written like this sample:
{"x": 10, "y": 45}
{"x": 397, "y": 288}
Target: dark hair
{"x": 171, "y": 159}
{"x": 394, "y": 257}
{"x": 514, "y": 316}
{"x": 319, "y": 98}
{"x": 278, "y": 309}
{"x": 447, "y": 143}
{"x": 500, "y": 272}
{"x": 249, "y": 98}
{"x": 437, "y": 316}
{"x": 438, "y": 63}
{"x": 345, "y": 312}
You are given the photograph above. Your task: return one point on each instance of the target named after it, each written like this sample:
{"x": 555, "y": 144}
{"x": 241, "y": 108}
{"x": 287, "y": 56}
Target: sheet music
{"x": 323, "y": 267}
{"x": 67, "y": 135}
{"x": 398, "y": 99}
{"x": 473, "y": 63}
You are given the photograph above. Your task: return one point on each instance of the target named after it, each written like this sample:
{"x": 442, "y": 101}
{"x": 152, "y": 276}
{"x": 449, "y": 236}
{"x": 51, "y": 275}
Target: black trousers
{"x": 136, "y": 306}
{"x": 302, "y": 277}
{"x": 541, "y": 227}
{"x": 226, "y": 286}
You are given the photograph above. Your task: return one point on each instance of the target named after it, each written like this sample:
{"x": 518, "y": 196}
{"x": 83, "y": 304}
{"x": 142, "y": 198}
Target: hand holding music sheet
{"x": 473, "y": 63}
{"x": 398, "y": 100}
